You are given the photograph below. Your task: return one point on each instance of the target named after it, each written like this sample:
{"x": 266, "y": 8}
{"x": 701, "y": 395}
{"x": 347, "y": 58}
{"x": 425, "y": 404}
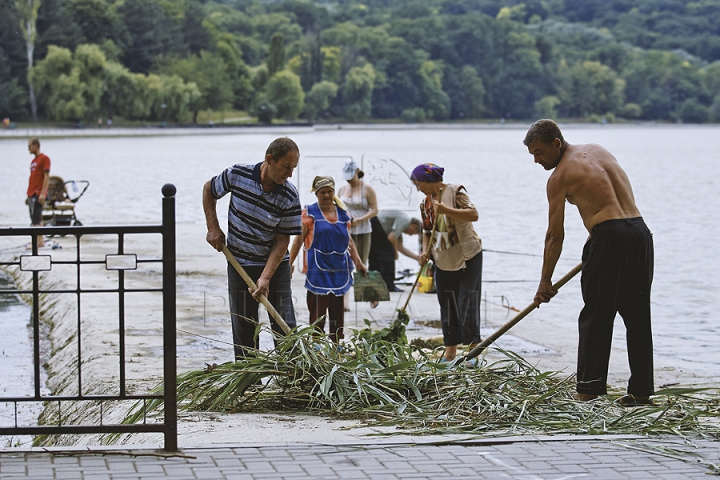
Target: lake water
{"x": 674, "y": 171}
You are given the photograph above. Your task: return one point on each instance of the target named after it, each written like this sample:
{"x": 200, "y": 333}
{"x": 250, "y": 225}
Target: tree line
{"x": 352, "y": 60}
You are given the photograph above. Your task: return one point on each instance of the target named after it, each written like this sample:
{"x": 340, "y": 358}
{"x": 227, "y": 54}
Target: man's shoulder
{"x": 239, "y": 174}
{"x": 291, "y": 189}
{"x": 242, "y": 167}
{"x": 41, "y": 158}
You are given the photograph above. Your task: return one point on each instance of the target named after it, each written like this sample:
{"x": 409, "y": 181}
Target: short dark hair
{"x": 417, "y": 223}
{"x": 34, "y": 141}
{"x": 280, "y": 147}
{"x": 544, "y": 130}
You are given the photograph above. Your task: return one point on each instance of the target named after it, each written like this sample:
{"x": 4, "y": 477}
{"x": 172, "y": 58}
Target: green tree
{"x": 592, "y": 88}
{"x": 119, "y": 91}
{"x": 12, "y": 96}
{"x": 58, "y": 80}
{"x": 435, "y": 100}
{"x": 91, "y": 65}
{"x": 399, "y": 86}
{"x": 715, "y": 110}
{"x": 512, "y": 88}
{"x": 358, "y": 92}
{"x": 319, "y": 99}
{"x": 546, "y": 107}
{"x": 276, "y": 55}
{"x": 286, "y": 94}
{"x": 661, "y": 81}
{"x": 331, "y": 67}
{"x": 196, "y": 36}
{"x": 691, "y": 111}
{"x": 259, "y": 77}
{"x": 163, "y": 97}
{"x": 178, "y": 97}
{"x": 151, "y": 33}
{"x": 473, "y": 93}
{"x": 209, "y": 73}
{"x": 238, "y": 72}
{"x": 98, "y": 21}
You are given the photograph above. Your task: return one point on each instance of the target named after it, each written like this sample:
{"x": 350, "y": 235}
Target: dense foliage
{"x": 355, "y": 60}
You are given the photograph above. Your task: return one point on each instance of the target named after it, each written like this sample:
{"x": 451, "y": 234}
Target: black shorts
{"x": 36, "y": 209}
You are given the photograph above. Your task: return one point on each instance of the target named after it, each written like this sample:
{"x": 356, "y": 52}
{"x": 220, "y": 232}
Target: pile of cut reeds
{"x": 394, "y": 384}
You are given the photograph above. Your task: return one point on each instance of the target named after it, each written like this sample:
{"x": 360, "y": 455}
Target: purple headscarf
{"x": 428, "y": 172}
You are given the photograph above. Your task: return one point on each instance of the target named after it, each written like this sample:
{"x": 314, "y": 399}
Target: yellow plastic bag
{"x": 425, "y": 283}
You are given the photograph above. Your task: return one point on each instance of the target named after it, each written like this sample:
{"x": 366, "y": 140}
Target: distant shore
{"x": 157, "y": 131}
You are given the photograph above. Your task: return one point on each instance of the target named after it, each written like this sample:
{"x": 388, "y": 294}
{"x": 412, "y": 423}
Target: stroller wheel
{"x": 77, "y": 223}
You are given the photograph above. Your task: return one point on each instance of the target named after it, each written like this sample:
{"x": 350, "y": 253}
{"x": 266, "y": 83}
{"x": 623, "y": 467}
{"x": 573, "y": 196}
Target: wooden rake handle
{"x": 251, "y": 283}
{"x": 489, "y": 340}
{"x": 429, "y": 246}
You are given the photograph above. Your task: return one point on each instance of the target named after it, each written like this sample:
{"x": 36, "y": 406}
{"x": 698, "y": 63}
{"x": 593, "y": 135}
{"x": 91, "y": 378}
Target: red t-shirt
{"x": 38, "y": 167}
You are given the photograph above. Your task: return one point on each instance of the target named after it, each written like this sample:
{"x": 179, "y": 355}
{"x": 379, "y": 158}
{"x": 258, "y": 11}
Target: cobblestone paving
{"x": 546, "y": 458}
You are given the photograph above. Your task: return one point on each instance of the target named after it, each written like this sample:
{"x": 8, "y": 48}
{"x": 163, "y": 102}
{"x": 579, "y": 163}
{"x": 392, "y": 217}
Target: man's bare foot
{"x": 584, "y": 397}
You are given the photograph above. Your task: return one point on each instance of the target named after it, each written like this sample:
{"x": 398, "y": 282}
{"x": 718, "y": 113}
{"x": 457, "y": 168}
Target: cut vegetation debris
{"x": 394, "y": 384}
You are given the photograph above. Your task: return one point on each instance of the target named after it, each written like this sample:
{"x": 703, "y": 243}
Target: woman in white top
{"x": 361, "y": 202}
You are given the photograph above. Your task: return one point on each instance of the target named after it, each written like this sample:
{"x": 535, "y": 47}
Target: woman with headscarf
{"x": 328, "y": 253}
{"x": 457, "y": 254}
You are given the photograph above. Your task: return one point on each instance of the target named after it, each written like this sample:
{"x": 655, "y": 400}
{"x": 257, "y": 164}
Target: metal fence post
{"x": 169, "y": 317}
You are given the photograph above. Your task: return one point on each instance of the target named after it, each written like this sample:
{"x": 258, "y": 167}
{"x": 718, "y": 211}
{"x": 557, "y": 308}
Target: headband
{"x": 322, "y": 182}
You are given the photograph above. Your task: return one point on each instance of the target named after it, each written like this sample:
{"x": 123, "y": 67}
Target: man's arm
{"x": 394, "y": 242}
{"x": 553, "y": 240}
{"x": 276, "y": 255}
{"x": 46, "y": 184}
{"x": 215, "y": 235}
{"x": 406, "y": 251}
{"x": 297, "y": 243}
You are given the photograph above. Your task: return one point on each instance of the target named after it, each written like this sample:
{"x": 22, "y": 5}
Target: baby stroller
{"x": 59, "y": 208}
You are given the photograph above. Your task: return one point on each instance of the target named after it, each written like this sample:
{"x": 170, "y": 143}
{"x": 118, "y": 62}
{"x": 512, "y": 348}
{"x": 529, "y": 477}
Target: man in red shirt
{"x": 38, "y": 185}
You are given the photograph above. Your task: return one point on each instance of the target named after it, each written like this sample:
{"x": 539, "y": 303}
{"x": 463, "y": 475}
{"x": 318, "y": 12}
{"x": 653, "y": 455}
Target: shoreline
{"x": 199, "y": 130}
{"x": 204, "y": 330}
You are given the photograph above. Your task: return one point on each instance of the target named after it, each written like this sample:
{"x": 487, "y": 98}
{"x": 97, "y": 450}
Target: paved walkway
{"x": 563, "y": 457}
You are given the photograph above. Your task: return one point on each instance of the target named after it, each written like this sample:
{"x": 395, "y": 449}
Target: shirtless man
{"x": 617, "y": 260}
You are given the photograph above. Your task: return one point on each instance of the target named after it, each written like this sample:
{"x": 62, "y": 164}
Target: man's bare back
{"x": 590, "y": 178}
{"x": 617, "y": 260}
{"x": 587, "y": 176}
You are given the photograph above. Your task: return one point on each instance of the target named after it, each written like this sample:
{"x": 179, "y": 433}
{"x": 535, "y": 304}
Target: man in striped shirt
{"x": 264, "y": 212}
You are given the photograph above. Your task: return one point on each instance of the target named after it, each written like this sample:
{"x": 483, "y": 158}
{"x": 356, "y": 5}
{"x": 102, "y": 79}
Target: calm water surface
{"x": 674, "y": 171}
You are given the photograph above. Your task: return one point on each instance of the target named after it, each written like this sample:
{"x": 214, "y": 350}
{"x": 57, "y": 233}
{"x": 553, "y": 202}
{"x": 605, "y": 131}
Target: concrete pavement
{"x": 550, "y": 457}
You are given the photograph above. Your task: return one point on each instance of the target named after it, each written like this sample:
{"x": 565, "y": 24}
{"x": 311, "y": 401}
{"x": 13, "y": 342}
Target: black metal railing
{"x": 38, "y": 260}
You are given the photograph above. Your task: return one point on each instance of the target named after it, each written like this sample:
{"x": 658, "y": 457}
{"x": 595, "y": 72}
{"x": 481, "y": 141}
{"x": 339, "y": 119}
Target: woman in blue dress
{"x": 329, "y": 255}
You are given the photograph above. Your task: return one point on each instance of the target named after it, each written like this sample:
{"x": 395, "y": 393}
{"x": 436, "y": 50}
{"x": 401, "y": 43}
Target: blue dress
{"x": 329, "y": 266}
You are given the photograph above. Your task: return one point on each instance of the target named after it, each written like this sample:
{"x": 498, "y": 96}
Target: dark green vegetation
{"x": 353, "y": 60}
{"x": 388, "y": 383}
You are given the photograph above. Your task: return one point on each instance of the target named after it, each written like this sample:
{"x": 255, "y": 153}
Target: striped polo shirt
{"x": 255, "y": 217}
